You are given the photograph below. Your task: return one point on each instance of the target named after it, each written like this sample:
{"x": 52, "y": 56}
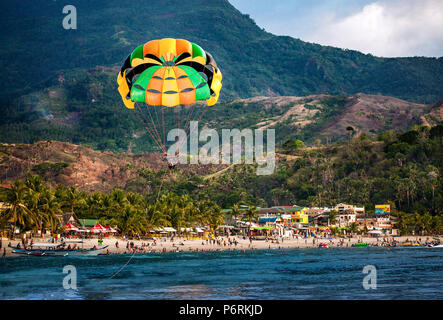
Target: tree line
{"x": 33, "y": 205}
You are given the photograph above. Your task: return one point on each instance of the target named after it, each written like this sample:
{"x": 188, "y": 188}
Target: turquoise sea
{"x": 335, "y": 273}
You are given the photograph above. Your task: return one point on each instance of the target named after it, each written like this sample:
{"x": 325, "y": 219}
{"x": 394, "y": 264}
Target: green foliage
{"x": 67, "y": 91}
{"x": 362, "y": 172}
{"x": 48, "y": 167}
{"x": 253, "y": 61}
{"x": 293, "y": 144}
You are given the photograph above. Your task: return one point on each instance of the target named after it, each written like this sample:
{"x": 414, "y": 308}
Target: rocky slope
{"x": 68, "y": 164}
{"x": 327, "y": 117}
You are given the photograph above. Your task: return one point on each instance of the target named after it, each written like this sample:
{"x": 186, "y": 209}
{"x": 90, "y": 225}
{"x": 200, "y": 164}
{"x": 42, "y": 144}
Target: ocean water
{"x": 335, "y": 273}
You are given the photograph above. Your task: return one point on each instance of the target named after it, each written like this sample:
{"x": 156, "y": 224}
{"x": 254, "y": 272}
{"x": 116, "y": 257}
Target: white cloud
{"x": 385, "y": 28}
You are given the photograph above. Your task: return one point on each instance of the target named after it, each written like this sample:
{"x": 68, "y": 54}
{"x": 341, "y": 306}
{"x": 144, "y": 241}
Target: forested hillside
{"x": 34, "y": 47}
{"x": 84, "y": 108}
{"x": 404, "y": 169}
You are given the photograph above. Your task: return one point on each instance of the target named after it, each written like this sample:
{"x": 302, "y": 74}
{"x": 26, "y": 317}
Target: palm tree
{"x": 36, "y": 188}
{"x": 418, "y": 223}
{"x": 48, "y": 209}
{"x": 437, "y": 222}
{"x": 433, "y": 180}
{"x": 94, "y": 204}
{"x": 249, "y": 215}
{"x": 427, "y": 222}
{"x": 119, "y": 198}
{"x": 234, "y": 212}
{"x": 335, "y": 231}
{"x": 402, "y": 223}
{"x": 132, "y": 221}
{"x": 353, "y": 228}
{"x": 155, "y": 215}
{"x": 18, "y": 212}
{"x": 70, "y": 198}
{"x": 332, "y": 217}
{"x": 134, "y": 199}
{"x": 35, "y": 183}
{"x": 215, "y": 218}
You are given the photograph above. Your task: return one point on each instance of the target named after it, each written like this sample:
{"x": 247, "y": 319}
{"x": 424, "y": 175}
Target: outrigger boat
{"x": 360, "y": 244}
{"x": 55, "y": 250}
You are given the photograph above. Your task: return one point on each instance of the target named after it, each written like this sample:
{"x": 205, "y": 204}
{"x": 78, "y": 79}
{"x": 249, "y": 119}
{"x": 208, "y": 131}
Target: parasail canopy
{"x": 167, "y": 73}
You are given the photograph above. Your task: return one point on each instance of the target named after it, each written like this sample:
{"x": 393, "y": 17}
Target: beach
{"x": 180, "y": 244}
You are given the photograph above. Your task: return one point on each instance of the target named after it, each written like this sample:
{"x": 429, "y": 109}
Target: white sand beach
{"x": 117, "y": 245}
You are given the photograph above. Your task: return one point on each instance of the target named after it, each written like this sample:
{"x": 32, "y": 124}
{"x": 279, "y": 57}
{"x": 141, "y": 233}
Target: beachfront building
{"x": 347, "y": 214}
{"x": 287, "y": 219}
{"x": 69, "y": 217}
{"x": 88, "y": 223}
{"x": 345, "y": 219}
{"x": 270, "y": 226}
{"x": 381, "y": 225}
{"x": 300, "y": 218}
{"x": 318, "y": 216}
{"x": 385, "y": 224}
{"x": 343, "y": 208}
{"x": 271, "y": 221}
{"x": 299, "y": 215}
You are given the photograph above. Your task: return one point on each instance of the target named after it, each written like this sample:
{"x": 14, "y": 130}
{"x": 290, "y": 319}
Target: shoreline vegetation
{"x": 402, "y": 170}
{"x": 237, "y": 243}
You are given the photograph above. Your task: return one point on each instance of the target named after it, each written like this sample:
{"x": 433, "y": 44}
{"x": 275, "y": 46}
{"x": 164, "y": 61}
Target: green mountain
{"x": 61, "y": 84}
{"x": 83, "y": 107}
{"x": 34, "y": 47}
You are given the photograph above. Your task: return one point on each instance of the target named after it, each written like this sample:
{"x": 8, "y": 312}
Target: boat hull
{"x": 58, "y": 252}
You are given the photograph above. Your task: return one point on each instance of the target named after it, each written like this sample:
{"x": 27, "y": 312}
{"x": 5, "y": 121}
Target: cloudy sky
{"x": 387, "y": 28}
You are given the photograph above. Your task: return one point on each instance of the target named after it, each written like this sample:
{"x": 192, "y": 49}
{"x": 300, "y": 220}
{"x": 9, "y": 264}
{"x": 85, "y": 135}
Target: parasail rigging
{"x": 162, "y": 81}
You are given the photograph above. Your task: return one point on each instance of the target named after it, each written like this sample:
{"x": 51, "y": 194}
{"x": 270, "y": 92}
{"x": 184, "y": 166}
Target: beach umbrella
{"x": 97, "y": 228}
{"x": 83, "y": 230}
{"x": 70, "y": 227}
{"x": 110, "y": 229}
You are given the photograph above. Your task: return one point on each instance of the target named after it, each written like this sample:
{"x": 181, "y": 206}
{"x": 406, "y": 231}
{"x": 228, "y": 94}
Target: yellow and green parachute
{"x": 168, "y": 73}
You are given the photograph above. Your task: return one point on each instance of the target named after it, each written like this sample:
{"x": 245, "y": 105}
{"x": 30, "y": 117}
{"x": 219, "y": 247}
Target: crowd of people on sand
{"x": 153, "y": 247}
{"x": 125, "y": 245}
{"x": 232, "y": 243}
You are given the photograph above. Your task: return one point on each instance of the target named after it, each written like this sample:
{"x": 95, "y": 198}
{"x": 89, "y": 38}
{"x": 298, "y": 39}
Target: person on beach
{"x": 4, "y": 252}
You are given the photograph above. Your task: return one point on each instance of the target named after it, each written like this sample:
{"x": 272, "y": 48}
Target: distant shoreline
{"x": 197, "y": 246}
